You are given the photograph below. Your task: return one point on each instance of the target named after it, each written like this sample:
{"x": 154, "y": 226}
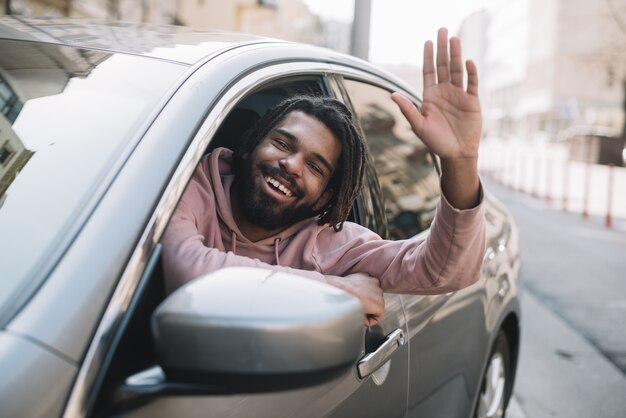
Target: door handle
{"x": 372, "y": 361}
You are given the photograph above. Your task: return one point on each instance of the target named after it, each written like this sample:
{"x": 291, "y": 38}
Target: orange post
{"x": 608, "y": 220}
{"x": 565, "y": 185}
{"x": 585, "y": 212}
{"x": 549, "y": 176}
{"x": 536, "y": 171}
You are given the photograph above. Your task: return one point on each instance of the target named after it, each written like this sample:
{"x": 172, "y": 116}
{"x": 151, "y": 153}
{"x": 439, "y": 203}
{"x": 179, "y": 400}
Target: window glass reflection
{"x": 405, "y": 168}
{"x": 66, "y": 115}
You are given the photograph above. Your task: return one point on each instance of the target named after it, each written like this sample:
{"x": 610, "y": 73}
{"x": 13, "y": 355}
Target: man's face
{"x": 285, "y": 178}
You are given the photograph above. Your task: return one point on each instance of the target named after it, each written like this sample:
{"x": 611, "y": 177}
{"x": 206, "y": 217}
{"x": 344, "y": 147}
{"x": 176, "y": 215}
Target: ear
{"x": 323, "y": 200}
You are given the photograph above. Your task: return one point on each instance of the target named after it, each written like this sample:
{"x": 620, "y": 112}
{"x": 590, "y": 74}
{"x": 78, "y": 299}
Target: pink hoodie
{"x": 202, "y": 236}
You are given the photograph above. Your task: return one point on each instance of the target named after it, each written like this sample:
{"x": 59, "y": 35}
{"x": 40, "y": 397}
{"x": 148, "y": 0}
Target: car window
{"x": 66, "y": 117}
{"x": 405, "y": 167}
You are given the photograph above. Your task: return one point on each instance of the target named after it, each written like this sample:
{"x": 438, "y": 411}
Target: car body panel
{"x": 37, "y": 384}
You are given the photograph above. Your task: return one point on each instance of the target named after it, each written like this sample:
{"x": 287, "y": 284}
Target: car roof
{"x": 167, "y": 42}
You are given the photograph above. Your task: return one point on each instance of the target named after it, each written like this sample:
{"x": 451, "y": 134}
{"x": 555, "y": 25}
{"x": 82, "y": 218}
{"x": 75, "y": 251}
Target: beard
{"x": 261, "y": 209}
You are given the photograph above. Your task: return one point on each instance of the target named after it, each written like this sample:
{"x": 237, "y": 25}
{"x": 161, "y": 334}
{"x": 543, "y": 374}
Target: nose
{"x": 292, "y": 164}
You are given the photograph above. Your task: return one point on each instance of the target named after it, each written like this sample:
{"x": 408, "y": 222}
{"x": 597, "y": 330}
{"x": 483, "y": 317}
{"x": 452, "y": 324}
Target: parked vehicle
{"x": 101, "y": 129}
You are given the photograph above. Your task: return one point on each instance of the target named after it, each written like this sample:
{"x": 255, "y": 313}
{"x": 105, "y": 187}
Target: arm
{"x": 449, "y": 121}
{"x": 185, "y": 256}
{"x": 449, "y": 259}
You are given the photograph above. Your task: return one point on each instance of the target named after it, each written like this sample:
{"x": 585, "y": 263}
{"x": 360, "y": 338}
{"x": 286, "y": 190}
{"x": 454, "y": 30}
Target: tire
{"x": 496, "y": 381}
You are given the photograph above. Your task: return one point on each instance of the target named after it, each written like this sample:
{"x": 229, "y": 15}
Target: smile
{"x": 277, "y": 185}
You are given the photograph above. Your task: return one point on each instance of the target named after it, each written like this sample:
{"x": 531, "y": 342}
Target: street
{"x": 573, "y": 352}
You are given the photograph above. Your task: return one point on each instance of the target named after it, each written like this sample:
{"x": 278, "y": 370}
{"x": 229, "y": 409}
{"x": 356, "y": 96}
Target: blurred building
{"x": 283, "y": 19}
{"x": 13, "y": 154}
{"x": 549, "y": 65}
{"x": 157, "y": 11}
{"x": 287, "y": 19}
{"x": 474, "y": 34}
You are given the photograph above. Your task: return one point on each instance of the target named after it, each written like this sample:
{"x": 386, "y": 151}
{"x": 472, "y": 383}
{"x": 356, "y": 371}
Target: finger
{"x": 443, "y": 70}
{"x": 376, "y": 313}
{"x": 410, "y": 112}
{"x": 456, "y": 62}
{"x": 429, "y": 65}
{"x": 472, "y": 78}
{"x": 374, "y": 319}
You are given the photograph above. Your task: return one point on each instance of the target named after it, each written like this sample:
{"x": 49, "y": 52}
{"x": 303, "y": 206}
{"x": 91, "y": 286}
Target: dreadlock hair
{"x": 348, "y": 177}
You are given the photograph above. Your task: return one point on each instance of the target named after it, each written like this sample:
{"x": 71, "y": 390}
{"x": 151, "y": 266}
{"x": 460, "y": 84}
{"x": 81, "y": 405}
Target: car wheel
{"x": 493, "y": 395}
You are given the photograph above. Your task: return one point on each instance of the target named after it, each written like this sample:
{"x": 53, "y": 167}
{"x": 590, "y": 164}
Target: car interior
{"x": 253, "y": 107}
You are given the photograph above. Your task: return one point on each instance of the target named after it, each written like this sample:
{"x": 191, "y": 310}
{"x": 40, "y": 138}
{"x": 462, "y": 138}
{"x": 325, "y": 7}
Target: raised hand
{"x": 449, "y": 121}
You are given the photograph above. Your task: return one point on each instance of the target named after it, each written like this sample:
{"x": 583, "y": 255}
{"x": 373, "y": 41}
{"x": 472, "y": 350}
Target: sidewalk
{"x": 543, "y": 170}
{"x": 560, "y": 374}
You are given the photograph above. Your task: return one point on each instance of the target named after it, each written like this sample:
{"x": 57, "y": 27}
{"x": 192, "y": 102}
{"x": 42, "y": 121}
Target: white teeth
{"x": 279, "y": 186}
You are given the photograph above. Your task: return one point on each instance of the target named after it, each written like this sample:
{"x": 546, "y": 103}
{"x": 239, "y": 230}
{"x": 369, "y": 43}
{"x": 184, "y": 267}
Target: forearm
{"x": 449, "y": 260}
{"x": 185, "y": 257}
{"x": 460, "y": 183}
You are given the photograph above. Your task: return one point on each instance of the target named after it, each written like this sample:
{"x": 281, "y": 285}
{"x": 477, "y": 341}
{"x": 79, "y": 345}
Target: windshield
{"x": 66, "y": 116}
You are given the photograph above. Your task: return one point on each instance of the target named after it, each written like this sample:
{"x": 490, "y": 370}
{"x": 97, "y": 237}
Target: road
{"x": 573, "y": 354}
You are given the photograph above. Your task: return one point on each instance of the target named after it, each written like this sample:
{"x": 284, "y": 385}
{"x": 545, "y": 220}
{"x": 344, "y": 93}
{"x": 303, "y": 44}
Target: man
{"x": 282, "y": 198}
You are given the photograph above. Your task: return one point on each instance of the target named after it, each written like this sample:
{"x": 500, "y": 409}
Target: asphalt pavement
{"x": 573, "y": 353}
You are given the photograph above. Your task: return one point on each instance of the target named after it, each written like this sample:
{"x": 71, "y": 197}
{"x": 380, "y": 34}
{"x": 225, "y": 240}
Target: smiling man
{"x": 281, "y": 200}
{"x": 285, "y": 178}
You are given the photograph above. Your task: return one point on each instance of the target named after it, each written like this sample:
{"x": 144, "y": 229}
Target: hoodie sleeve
{"x": 449, "y": 259}
{"x": 185, "y": 255}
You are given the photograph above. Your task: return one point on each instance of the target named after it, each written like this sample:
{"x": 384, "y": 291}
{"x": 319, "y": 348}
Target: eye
{"x": 316, "y": 169}
{"x": 281, "y": 144}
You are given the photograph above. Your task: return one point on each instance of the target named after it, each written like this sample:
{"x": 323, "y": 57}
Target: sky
{"x": 399, "y": 28}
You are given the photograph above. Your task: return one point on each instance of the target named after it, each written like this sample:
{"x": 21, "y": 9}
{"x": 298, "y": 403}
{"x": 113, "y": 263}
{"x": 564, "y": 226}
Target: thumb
{"x": 410, "y": 111}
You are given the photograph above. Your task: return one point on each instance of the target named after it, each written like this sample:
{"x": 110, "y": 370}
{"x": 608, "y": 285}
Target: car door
{"x": 447, "y": 332}
{"x": 120, "y": 375}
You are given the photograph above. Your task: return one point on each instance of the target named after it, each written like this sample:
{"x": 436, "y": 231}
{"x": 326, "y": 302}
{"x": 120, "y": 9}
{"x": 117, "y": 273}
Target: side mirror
{"x": 248, "y": 329}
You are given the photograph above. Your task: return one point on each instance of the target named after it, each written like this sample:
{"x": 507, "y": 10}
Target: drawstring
{"x": 276, "y": 241}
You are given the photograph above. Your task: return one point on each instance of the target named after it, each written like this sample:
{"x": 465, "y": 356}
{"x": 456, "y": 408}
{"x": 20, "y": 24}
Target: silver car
{"x": 101, "y": 127}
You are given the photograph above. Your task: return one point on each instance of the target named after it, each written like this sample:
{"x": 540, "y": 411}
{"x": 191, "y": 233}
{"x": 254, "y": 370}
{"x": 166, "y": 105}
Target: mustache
{"x": 278, "y": 172}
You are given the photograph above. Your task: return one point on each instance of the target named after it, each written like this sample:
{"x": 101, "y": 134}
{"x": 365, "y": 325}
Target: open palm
{"x": 449, "y": 121}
